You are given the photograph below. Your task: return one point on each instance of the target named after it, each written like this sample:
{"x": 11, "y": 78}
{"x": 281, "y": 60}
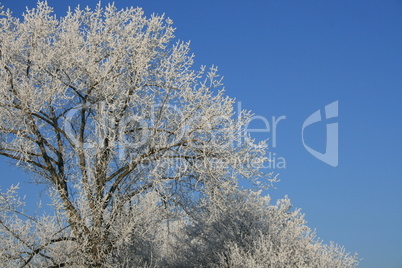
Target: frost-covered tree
{"x": 103, "y": 107}
{"x": 240, "y": 228}
{"x": 137, "y": 149}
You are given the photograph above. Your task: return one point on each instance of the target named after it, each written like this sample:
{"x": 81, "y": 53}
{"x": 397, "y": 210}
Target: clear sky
{"x": 291, "y": 58}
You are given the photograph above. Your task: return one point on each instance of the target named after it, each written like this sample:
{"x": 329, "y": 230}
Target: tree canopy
{"x": 104, "y": 107}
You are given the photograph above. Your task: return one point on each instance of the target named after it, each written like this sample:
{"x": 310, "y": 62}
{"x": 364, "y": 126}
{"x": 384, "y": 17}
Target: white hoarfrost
{"x": 140, "y": 153}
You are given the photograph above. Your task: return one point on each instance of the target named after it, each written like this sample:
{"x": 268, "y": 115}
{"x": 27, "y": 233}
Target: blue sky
{"x": 292, "y": 58}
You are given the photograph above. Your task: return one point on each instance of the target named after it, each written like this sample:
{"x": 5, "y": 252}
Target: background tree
{"x": 241, "y": 228}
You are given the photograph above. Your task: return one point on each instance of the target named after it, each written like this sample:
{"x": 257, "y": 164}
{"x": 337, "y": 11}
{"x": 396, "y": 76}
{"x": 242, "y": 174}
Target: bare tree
{"x": 104, "y": 108}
